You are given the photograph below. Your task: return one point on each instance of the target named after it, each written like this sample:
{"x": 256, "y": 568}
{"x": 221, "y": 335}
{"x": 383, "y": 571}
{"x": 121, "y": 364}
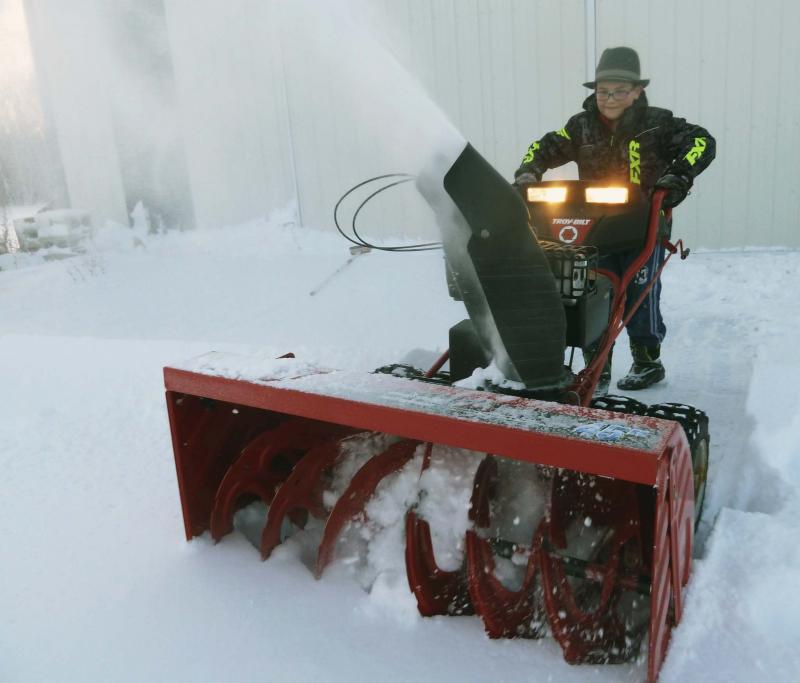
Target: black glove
{"x": 677, "y": 187}
{"x": 527, "y": 177}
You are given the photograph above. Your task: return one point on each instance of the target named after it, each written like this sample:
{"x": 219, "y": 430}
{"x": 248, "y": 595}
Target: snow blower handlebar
{"x": 587, "y": 379}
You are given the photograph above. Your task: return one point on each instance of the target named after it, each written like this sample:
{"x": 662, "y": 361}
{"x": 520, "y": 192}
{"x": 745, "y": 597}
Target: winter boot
{"x": 646, "y": 369}
{"x": 605, "y": 376}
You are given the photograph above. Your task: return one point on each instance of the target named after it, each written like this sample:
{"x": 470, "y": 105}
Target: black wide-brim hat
{"x": 618, "y": 64}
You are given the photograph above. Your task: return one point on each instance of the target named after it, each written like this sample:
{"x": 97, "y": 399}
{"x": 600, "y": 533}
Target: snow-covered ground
{"x": 98, "y": 583}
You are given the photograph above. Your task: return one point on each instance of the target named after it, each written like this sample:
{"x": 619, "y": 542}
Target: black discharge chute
{"x": 499, "y": 270}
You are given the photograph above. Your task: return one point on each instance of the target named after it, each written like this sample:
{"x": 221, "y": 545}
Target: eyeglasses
{"x": 618, "y": 95}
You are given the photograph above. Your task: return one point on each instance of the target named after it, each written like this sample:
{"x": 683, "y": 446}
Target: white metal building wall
{"x": 267, "y": 115}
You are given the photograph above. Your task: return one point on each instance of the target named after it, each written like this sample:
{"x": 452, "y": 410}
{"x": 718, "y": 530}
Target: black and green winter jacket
{"x": 648, "y": 142}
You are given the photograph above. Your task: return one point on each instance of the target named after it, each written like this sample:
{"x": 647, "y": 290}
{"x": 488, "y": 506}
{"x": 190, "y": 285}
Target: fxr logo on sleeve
{"x": 530, "y": 153}
{"x": 696, "y": 152}
{"x": 635, "y": 162}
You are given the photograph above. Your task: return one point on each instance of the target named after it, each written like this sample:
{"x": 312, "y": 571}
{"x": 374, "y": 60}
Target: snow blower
{"x": 582, "y": 509}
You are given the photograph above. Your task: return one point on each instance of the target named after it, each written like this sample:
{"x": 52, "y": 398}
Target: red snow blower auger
{"x": 582, "y": 509}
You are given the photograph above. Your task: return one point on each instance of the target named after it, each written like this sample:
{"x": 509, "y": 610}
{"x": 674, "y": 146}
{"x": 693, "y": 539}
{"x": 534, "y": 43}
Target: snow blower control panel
{"x": 612, "y": 218}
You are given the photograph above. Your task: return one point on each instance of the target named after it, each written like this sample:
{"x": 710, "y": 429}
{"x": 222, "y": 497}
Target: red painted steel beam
{"x": 524, "y": 429}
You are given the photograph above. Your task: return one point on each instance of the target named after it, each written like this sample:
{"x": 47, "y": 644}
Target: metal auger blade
{"x": 260, "y": 468}
{"x": 505, "y": 612}
{"x": 437, "y": 591}
{"x": 362, "y": 486}
{"x": 302, "y": 490}
{"x": 600, "y": 519}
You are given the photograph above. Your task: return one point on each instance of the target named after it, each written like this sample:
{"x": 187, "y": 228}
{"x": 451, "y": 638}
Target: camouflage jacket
{"x": 647, "y": 143}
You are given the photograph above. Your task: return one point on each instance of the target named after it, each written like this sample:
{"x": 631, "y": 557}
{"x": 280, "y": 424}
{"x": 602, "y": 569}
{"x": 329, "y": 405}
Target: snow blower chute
{"x": 600, "y": 561}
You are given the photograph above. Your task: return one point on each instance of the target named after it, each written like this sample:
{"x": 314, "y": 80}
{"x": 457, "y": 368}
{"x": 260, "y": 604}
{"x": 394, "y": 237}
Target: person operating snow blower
{"x": 620, "y": 137}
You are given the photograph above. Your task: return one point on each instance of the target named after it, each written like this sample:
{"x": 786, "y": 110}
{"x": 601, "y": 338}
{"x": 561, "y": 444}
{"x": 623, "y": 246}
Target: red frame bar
{"x": 552, "y": 448}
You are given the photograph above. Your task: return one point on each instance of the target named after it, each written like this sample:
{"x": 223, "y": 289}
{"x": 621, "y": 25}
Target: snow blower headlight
{"x": 607, "y": 195}
{"x": 551, "y": 195}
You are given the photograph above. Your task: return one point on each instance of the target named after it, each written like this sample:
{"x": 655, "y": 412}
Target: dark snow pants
{"x": 646, "y": 327}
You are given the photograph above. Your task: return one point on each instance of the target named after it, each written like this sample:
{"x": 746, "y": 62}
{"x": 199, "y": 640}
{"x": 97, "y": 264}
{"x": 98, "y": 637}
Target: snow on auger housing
{"x": 582, "y": 509}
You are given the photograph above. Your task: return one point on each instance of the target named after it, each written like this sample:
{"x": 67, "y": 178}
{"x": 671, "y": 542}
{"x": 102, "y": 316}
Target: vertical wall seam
{"x": 290, "y": 133}
{"x": 590, "y": 37}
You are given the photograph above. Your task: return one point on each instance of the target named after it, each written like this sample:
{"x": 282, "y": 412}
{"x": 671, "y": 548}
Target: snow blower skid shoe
{"x": 581, "y": 518}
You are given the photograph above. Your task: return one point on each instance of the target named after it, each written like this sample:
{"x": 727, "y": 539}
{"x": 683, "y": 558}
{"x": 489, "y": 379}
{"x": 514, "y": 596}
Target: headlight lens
{"x": 551, "y": 194}
{"x": 607, "y": 195}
